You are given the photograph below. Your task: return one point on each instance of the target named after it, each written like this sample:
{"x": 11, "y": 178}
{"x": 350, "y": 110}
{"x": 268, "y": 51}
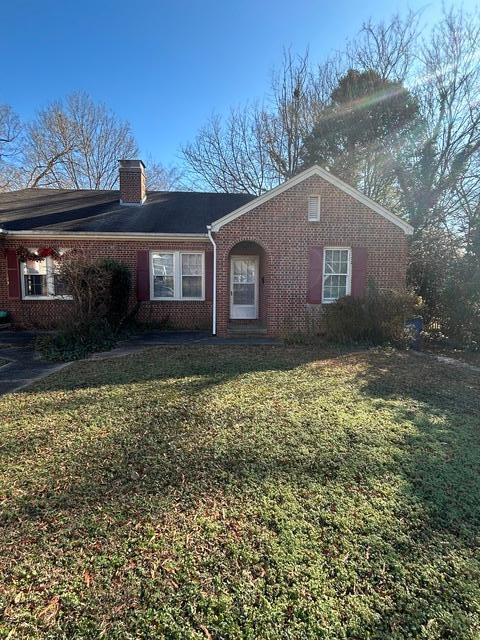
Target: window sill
{"x": 26, "y": 298}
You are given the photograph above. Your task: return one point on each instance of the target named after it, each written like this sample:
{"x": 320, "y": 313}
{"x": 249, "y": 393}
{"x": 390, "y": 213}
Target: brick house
{"x": 229, "y": 262}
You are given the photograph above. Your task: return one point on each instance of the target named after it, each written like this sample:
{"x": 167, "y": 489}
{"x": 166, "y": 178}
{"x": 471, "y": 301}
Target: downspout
{"x": 214, "y": 301}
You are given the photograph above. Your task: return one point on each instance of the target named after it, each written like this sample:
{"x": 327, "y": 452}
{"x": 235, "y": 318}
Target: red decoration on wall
{"x": 25, "y": 254}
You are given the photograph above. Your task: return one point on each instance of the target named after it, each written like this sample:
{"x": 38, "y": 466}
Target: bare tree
{"x": 230, "y": 155}
{"x": 463, "y": 207}
{"x": 447, "y": 135}
{"x": 76, "y": 144}
{"x": 290, "y": 113}
{"x": 10, "y": 129}
{"x": 259, "y": 145}
{"x": 388, "y": 48}
{"x": 10, "y": 132}
{"x": 162, "y": 178}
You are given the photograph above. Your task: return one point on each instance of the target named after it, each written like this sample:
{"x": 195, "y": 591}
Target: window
{"x": 177, "y": 275}
{"x": 313, "y": 208}
{"x": 336, "y": 274}
{"x": 41, "y": 279}
{"x": 191, "y": 274}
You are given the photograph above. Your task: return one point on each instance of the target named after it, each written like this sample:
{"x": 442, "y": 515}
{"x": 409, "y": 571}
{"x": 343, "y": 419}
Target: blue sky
{"x": 166, "y": 65}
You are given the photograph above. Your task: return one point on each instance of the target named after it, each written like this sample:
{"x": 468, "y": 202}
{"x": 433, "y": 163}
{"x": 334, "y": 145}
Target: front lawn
{"x": 462, "y": 355}
{"x": 226, "y": 492}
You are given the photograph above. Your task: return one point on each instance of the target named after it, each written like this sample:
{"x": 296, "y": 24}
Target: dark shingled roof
{"x": 62, "y": 210}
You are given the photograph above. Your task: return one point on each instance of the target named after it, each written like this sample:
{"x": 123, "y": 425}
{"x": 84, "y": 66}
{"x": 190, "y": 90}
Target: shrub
{"x": 378, "y": 318}
{"x": 100, "y": 291}
{"x": 78, "y": 342}
{"x": 120, "y": 283}
{"x": 460, "y": 304}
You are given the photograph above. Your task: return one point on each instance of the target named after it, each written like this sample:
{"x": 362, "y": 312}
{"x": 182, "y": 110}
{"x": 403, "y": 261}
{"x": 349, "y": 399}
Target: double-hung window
{"x": 337, "y": 270}
{"x": 177, "y": 275}
{"x": 41, "y": 279}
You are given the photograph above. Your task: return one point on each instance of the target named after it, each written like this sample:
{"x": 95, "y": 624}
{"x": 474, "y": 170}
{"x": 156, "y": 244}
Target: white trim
{"x": 349, "y": 272}
{"x": 177, "y": 276}
{"x": 117, "y": 235}
{"x": 304, "y": 175}
{"x": 257, "y": 274}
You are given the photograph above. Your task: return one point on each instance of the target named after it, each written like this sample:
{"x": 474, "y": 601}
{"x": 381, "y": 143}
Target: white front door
{"x": 244, "y": 287}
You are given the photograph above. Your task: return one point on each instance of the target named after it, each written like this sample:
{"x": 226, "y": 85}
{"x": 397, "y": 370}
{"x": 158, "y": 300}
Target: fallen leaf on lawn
{"x": 206, "y": 632}
{"x": 50, "y": 611}
{"x": 87, "y": 577}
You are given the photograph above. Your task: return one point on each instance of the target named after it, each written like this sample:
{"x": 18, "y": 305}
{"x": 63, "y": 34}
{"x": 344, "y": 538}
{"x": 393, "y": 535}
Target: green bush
{"x": 378, "y": 318}
{"x": 77, "y": 342}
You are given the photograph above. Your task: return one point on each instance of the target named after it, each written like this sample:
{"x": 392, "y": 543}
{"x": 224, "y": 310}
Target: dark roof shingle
{"x": 61, "y": 210}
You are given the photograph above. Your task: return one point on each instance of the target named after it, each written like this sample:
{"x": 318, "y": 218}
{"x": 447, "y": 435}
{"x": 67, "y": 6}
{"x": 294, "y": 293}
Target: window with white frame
{"x": 41, "y": 279}
{"x": 313, "y": 208}
{"x": 336, "y": 273}
{"x": 177, "y": 275}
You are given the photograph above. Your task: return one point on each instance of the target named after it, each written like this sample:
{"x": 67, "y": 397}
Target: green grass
{"x": 208, "y": 492}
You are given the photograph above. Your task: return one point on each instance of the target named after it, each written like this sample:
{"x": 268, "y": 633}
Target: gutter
{"x": 214, "y": 296}
{"x": 197, "y": 237}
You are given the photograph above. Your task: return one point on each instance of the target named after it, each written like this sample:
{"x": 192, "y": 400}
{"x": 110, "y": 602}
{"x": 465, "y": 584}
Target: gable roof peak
{"x": 329, "y": 177}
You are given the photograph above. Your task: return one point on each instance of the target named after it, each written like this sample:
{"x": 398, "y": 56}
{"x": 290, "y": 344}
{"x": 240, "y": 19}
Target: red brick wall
{"x": 132, "y": 184}
{"x": 281, "y": 228}
{"x": 47, "y": 313}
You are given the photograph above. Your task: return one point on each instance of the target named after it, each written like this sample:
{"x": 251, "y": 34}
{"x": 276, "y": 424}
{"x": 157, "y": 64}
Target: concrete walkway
{"x": 24, "y": 366}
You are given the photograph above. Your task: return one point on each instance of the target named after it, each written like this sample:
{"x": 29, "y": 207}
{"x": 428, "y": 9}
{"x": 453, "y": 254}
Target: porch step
{"x": 254, "y": 330}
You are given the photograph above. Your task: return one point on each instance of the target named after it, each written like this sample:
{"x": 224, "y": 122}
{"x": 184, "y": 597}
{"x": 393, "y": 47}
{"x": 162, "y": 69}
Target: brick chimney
{"x": 132, "y": 182}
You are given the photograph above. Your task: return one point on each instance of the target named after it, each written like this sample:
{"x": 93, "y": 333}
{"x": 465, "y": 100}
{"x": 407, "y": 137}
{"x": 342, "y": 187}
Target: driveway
{"x": 24, "y": 366}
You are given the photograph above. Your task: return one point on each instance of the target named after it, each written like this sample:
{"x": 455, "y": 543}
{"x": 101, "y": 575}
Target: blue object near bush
{"x": 415, "y": 325}
{"x": 3, "y": 316}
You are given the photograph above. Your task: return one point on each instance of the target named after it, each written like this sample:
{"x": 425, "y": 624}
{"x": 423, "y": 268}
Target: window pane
{"x": 59, "y": 287}
{"x": 35, "y": 285}
{"x": 163, "y": 264}
{"x": 191, "y": 286}
{"x": 35, "y": 278}
{"x": 163, "y": 286}
{"x": 163, "y": 282}
{"x": 191, "y": 264}
{"x": 244, "y": 294}
{"x": 36, "y": 267}
{"x": 244, "y": 271}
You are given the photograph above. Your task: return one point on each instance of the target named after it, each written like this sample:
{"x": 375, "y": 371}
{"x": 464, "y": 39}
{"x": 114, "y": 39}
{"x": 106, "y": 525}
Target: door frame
{"x": 256, "y": 258}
